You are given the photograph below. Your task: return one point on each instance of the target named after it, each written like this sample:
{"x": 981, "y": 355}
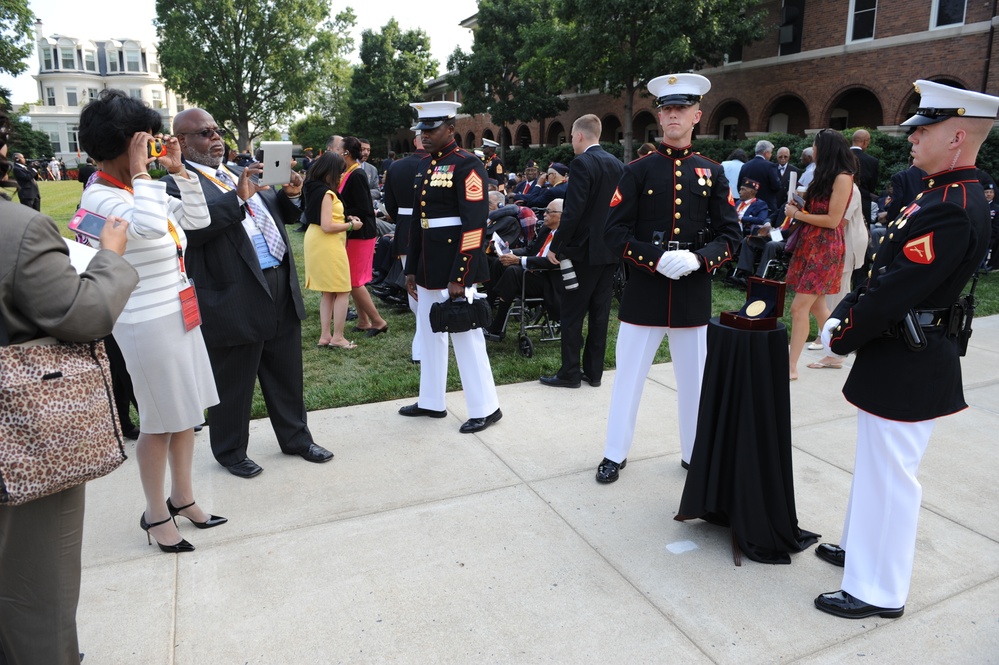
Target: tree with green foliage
{"x": 16, "y": 41}
{"x": 503, "y": 75}
{"x": 394, "y": 65}
{"x": 29, "y": 142}
{"x": 312, "y": 131}
{"x": 618, "y": 46}
{"x": 250, "y": 63}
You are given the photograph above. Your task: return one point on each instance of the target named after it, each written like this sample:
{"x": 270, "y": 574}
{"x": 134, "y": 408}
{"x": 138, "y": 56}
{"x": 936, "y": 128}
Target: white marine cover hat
{"x": 678, "y": 89}
{"x": 433, "y": 114}
{"x": 938, "y": 102}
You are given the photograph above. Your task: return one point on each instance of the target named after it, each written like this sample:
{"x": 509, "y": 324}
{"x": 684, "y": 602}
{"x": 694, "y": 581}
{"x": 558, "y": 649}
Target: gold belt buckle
{"x": 425, "y": 223}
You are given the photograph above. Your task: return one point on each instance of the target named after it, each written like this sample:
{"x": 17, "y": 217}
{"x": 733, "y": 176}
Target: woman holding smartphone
{"x": 158, "y": 331}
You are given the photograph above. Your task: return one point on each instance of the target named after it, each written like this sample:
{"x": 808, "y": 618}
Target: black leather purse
{"x": 457, "y": 316}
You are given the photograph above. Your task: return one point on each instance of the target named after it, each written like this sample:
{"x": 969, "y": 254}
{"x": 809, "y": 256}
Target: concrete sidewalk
{"x": 418, "y": 544}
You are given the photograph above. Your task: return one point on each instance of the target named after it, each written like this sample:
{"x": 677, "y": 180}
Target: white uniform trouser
{"x": 635, "y": 351}
{"x": 470, "y": 352}
{"x": 415, "y": 352}
{"x": 879, "y": 535}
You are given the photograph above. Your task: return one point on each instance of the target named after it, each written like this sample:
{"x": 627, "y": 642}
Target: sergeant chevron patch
{"x": 473, "y": 187}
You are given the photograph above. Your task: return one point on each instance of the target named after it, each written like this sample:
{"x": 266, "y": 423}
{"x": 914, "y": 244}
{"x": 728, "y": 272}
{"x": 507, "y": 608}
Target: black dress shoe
{"x": 834, "y": 554}
{"x": 132, "y": 433}
{"x": 842, "y": 604}
{"x": 414, "y": 410}
{"x": 684, "y": 465}
{"x": 245, "y": 468}
{"x": 351, "y": 314}
{"x": 607, "y": 471}
{"x": 479, "y": 424}
{"x": 313, "y": 453}
{"x": 555, "y": 381}
{"x": 593, "y": 382}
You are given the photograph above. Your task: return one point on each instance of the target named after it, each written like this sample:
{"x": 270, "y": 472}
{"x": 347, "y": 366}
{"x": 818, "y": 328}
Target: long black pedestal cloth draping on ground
{"x": 740, "y": 472}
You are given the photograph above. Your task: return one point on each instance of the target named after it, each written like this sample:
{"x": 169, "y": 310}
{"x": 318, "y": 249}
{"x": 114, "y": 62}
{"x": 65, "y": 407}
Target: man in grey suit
{"x": 594, "y": 174}
{"x": 251, "y": 302}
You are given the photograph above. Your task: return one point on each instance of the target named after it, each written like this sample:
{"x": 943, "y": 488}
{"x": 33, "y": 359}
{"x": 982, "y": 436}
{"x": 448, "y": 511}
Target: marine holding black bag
{"x": 40, "y": 541}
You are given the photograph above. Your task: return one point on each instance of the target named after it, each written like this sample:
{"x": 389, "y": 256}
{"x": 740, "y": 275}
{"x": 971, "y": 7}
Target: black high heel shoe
{"x": 213, "y": 520}
{"x": 182, "y": 546}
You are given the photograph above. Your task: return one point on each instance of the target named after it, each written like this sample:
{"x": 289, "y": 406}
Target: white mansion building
{"x": 73, "y": 71}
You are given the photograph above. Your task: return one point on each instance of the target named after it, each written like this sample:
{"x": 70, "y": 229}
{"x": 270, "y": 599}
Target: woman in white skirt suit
{"x": 164, "y": 351}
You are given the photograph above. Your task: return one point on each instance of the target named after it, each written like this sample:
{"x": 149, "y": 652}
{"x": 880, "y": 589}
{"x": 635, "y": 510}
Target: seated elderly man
{"x": 753, "y": 212}
{"x": 554, "y": 188}
{"x": 536, "y": 267}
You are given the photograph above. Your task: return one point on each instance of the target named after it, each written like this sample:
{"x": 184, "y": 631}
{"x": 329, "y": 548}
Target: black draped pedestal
{"x": 740, "y": 472}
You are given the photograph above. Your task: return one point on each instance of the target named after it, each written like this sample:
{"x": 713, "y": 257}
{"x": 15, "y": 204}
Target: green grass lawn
{"x": 380, "y": 369}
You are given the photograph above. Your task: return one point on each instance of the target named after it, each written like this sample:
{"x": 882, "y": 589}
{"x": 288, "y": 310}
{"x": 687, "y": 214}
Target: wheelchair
{"x": 531, "y": 314}
{"x": 776, "y": 268}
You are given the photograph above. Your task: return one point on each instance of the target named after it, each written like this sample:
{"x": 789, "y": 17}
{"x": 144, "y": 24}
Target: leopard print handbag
{"x": 58, "y": 422}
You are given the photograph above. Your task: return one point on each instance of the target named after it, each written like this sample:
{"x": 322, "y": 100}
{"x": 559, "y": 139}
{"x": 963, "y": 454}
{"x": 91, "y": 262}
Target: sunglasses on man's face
{"x": 206, "y": 133}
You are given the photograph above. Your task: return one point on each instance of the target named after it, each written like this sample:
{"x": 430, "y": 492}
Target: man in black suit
{"x": 27, "y": 188}
{"x": 867, "y": 182}
{"x": 580, "y": 239}
{"x": 530, "y": 181}
{"x": 785, "y": 169}
{"x": 251, "y": 303}
{"x": 765, "y": 172}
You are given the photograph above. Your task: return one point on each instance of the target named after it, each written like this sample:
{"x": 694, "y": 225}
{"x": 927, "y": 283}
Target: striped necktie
{"x": 262, "y": 218}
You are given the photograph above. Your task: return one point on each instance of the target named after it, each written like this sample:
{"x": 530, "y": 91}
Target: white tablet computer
{"x": 277, "y": 162}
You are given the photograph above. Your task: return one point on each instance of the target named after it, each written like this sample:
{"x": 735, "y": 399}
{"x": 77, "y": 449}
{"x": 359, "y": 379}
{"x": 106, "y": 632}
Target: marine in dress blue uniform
{"x": 659, "y": 224}
{"x": 494, "y": 165}
{"x": 446, "y": 258}
{"x": 902, "y": 381}
{"x": 400, "y": 195}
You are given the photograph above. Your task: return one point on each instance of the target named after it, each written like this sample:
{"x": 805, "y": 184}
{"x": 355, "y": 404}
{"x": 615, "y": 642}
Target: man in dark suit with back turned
{"x": 251, "y": 303}
{"x": 765, "y": 172}
{"x": 867, "y": 182}
{"x": 580, "y": 238}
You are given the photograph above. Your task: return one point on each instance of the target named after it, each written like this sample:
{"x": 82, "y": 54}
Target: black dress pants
{"x": 593, "y": 299}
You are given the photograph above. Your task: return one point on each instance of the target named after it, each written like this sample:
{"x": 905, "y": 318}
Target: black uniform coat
{"x": 905, "y": 186}
{"x": 27, "y": 188}
{"x": 928, "y": 255}
{"x": 580, "y": 236}
{"x": 451, "y": 183}
{"x": 234, "y": 298}
{"x": 400, "y": 192}
{"x": 494, "y": 169}
{"x": 673, "y": 192}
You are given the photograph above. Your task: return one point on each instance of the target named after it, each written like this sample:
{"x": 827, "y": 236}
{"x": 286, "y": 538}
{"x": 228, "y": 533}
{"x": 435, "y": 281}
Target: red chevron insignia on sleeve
{"x": 920, "y": 250}
{"x": 616, "y": 198}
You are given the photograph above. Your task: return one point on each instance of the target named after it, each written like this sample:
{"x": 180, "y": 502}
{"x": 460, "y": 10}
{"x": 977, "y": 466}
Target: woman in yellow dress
{"x": 326, "y": 266}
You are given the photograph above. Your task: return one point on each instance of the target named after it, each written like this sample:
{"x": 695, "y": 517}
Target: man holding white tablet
{"x": 251, "y": 302}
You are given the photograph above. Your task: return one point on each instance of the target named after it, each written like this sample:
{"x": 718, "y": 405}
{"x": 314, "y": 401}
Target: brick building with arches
{"x": 826, "y": 63}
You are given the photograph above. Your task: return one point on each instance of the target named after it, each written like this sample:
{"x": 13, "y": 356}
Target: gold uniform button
{"x": 919, "y": 196}
{"x": 433, "y": 163}
{"x": 931, "y": 182}
{"x": 668, "y": 151}
{"x": 449, "y": 241}
{"x": 679, "y": 186}
{"x": 629, "y": 252}
{"x": 677, "y": 215}
{"x": 676, "y": 230}
{"x": 678, "y": 162}
{"x": 679, "y": 173}
{"x": 881, "y": 240}
{"x": 726, "y": 252}
{"x": 650, "y": 191}
{"x": 423, "y": 203}
{"x": 461, "y": 269}
{"x": 719, "y": 258}
{"x": 641, "y": 258}
{"x": 464, "y": 258}
{"x": 954, "y": 185}
{"x": 874, "y": 256}
{"x": 846, "y": 320}
{"x": 429, "y": 171}
{"x": 678, "y": 201}
{"x": 650, "y": 264}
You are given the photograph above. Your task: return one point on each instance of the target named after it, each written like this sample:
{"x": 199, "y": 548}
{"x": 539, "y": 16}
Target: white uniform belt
{"x": 404, "y": 211}
{"x": 440, "y": 222}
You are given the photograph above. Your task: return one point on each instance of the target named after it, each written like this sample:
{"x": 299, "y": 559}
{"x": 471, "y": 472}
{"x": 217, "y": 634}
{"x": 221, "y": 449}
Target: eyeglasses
{"x": 206, "y": 133}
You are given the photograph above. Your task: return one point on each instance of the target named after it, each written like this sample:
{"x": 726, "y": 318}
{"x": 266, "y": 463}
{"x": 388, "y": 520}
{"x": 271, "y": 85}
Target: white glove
{"x": 826, "y": 333}
{"x": 678, "y": 263}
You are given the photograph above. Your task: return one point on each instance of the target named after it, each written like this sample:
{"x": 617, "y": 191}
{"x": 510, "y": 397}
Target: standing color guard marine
{"x": 673, "y": 222}
{"x": 907, "y": 326}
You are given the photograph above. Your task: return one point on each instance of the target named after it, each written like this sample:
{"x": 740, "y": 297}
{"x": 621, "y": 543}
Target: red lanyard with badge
{"x": 188, "y": 297}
